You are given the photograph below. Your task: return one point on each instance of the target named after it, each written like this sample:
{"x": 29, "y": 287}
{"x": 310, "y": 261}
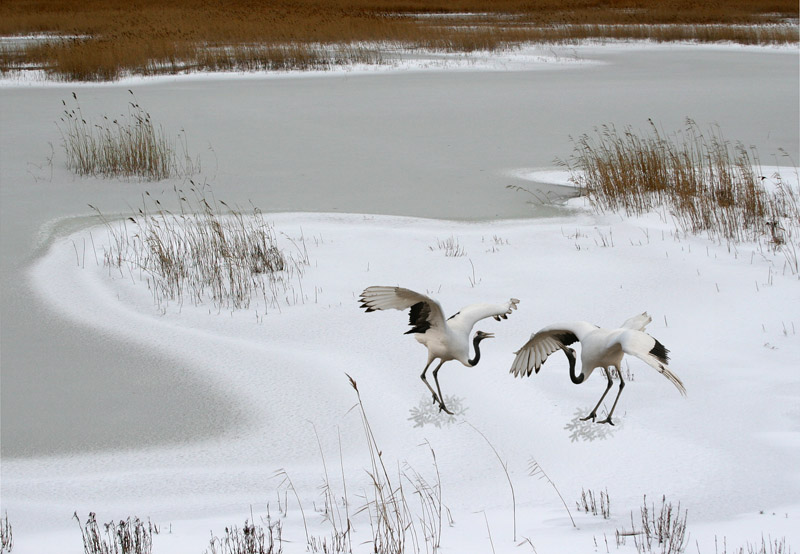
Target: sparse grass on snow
{"x": 205, "y": 251}
{"x": 129, "y": 536}
{"x": 6, "y": 535}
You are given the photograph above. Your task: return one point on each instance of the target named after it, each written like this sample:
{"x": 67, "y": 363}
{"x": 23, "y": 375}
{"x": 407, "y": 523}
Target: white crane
{"x": 444, "y": 339}
{"x": 599, "y": 348}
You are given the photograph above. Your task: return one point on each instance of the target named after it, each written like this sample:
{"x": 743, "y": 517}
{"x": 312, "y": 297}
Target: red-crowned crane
{"x": 599, "y": 348}
{"x": 445, "y": 339}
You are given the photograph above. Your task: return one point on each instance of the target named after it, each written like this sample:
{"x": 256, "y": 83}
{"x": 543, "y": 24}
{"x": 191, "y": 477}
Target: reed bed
{"x": 706, "y": 183}
{"x": 130, "y": 145}
{"x": 251, "y": 538}
{"x": 129, "y": 536}
{"x": 206, "y": 251}
{"x": 661, "y": 532}
{"x": 589, "y": 503}
{"x": 96, "y": 40}
{"x": 6, "y": 535}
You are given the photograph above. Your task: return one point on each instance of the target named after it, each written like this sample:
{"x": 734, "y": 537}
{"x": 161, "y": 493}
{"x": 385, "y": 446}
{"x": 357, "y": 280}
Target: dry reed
{"x": 396, "y": 527}
{"x": 102, "y": 40}
{"x": 6, "y": 535}
{"x": 130, "y": 145}
{"x": 450, "y": 246}
{"x": 705, "y": 183}
{"x": 536, "y": 470}
{"x": 205, "y": 251}
{"x": 250, "y": 539}
{"x": 663, "y": 531}
{"x": 129, "y": 536}
{"x": 765, "y": 546}
{"x": 588, "y": 503}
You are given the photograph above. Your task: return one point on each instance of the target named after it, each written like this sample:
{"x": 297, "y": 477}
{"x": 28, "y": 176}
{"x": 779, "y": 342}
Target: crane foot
{"x": 443, "y": 408}
{"x": 592, "y": 416}
{"x": 607, "y": 420}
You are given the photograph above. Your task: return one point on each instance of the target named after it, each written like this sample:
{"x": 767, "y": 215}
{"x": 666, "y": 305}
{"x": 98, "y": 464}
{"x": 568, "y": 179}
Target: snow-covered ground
{"x": 230, "y": 399}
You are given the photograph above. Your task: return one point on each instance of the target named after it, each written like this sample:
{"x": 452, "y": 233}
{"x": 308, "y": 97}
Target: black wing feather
{"x": 566, "y": 338}
{"x": 660, "y": 352}
{"x": 418, "y": 318}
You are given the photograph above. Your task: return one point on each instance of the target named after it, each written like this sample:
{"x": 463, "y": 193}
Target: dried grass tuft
{"x": 128, "y": 536}
{"x": 6, "y": 535}
{"x": 703, "y": 181}
{"x": 205, "y": 250}
{"x": 126, "y": 146}
{"x": 663, "y": 532}
{"x": 251, "y": 538}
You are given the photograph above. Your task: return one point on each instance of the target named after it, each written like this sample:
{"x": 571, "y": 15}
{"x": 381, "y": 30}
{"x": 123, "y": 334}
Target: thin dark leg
{"x": 427, "y": 384}
{"x": 441, "y": 398}
{"x": 621, "y": 386}
{"x": 593, "y": 414}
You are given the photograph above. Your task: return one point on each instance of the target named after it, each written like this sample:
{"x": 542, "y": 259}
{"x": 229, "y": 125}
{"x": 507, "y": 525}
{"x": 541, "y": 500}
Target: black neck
{"x": 475, "y": 342}
{"x": 574, "y": 377}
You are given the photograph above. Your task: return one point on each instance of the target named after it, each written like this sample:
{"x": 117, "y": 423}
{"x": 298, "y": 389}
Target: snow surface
{"x": 727, "y": 452}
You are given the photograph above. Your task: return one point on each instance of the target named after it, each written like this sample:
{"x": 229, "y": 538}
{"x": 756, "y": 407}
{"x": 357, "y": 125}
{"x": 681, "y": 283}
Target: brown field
{"x": 102, "y": 39}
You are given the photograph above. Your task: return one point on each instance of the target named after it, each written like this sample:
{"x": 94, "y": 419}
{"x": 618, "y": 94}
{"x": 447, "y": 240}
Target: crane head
{"x": 480, "y": 335}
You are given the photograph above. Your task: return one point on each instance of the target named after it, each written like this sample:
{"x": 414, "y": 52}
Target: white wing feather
{"x": 642, "y": 345}
{"x": 398, "y": 298}
{"x": 468, "y": 316}
{"x": 534, "y": 353}
{"x": 637, "y": 322}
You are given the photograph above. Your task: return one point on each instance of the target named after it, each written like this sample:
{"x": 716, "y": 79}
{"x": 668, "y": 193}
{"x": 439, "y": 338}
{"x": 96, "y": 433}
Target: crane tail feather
{"x": 673, "y": 379}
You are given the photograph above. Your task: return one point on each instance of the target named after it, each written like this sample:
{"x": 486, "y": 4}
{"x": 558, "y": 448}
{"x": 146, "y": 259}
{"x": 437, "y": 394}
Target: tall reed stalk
{"x": 396, "y": 527}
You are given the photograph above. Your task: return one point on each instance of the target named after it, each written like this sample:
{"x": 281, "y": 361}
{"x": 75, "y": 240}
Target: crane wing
{"x": 544, "y": 342}
{"x": 650, "y": 351}
{"x": 468, "y": 316}
{"x": 637, "y": 322}
{"x": 425, "y": 311}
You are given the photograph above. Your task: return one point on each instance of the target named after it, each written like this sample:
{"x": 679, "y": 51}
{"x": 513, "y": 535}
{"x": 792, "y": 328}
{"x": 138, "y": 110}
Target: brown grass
{"x": 705, "y": 182}
{"x": 128, "y": 146}
{"x": 111, "y": 37}
{"x": 205, "y": 251}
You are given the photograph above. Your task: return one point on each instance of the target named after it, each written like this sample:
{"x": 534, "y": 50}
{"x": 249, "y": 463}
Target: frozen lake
{"x": 428, "y": 144}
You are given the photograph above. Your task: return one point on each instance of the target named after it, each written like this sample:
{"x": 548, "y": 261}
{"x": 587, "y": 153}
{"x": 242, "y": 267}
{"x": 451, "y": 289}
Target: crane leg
{"x": 442, "y": 407}
{"x": 621, "y": 386}
{"x": 427, "y": 384}
{"x": 593, "y": 414}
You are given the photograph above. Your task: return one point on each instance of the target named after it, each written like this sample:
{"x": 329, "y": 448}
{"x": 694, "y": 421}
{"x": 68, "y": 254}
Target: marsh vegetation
{"x": 128, "y": 536}
{"x": 205, "y": 251}
{"x": 123, "y": 146}
{"x": 703, "y": 181}
{"x": 96, "y": 40}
